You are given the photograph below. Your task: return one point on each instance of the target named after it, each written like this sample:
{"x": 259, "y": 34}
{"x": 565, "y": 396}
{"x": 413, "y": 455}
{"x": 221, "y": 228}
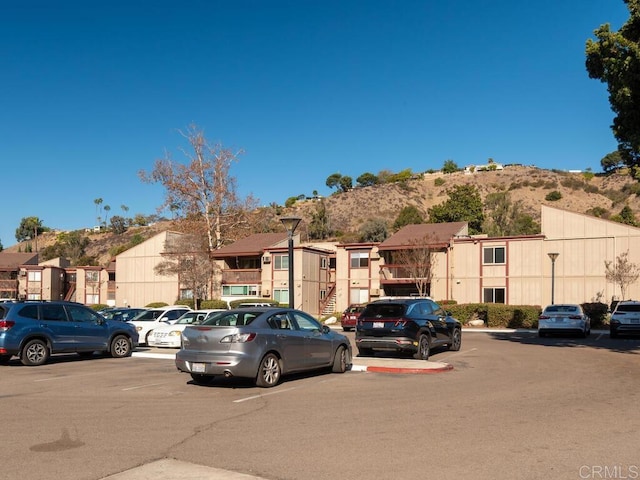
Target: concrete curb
{"x": 381, "y": 365}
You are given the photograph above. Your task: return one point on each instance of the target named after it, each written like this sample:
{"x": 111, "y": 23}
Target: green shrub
{"x": 438, "y": 182}
{"x": 216, "y": 303}
{"x": 235, "y": 303}
{"x": 597, "y": 312}
{"x": 156, "y": 305}
{"x": 553, "y": 196}
{"x": 497, "y": 315}
{"x": 98, "y": 306}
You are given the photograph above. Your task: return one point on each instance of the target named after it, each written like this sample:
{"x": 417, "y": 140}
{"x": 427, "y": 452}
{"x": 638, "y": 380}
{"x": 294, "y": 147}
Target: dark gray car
{"x": 262, "y": 343}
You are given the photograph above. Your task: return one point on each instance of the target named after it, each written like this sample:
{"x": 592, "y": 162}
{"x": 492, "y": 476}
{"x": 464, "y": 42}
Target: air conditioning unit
{"x": 375, "y": 292}
{"x": 23, "y": 273}
{"x": 266, "y": 259}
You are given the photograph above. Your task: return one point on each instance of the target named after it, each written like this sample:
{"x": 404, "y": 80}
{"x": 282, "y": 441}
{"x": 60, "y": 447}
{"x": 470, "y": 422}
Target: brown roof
{"x": 438, "y": 235}
{"x": 14, "y": 260}
{"x": 252, "y": 245}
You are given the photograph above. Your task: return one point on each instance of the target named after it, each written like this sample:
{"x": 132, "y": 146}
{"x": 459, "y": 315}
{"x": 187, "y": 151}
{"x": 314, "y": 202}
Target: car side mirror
{"x": 325, "y": 329}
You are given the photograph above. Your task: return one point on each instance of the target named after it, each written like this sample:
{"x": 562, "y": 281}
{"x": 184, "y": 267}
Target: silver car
{"x": 565, "y": 319}
{"x": 262, "y": 343}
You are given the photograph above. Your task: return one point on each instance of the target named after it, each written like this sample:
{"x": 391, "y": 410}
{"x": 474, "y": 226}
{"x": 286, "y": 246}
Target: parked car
{"x": 169, "y": 335}
{"x": 34, "y": 330}
{"x": 122, "y": 314}
{"x": 152, "y": 318}
{"x": 410, "y": 325}
{"x": 625, "y": 319}
{"x": 262, "y": 343}
{"x": 564, "y": 319}
{"x": 350, "y": 317}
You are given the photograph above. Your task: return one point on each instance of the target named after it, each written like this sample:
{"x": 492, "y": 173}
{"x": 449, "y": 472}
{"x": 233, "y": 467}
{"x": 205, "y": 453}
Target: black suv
{"x": 411, "y": 325}
{"x": 33, "y": 330}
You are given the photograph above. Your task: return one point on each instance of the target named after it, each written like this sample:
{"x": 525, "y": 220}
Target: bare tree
{"x": 419, "y": 260}
{"x": 203, "y": 190}
{"x": 187, "y": 257}
{"x": 622, "y": 272}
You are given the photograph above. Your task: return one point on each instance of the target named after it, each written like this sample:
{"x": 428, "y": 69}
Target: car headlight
{"x": 175, "y": 333}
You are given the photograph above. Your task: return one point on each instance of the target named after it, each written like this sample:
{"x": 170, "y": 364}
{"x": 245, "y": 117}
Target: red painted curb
{"x": 446, "y": 368}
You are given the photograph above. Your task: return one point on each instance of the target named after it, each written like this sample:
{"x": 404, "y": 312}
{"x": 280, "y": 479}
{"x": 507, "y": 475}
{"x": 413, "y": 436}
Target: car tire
{"x": 346, "y": 329}
{"x": 200, "y": 379}
{"x": 120, "y": 346}
{"x": 269, "y": 372}
{"x": 424, "y": 347}
{"x": 34, "y": 353}
{"x": 456, "y": 340}
{"x": 340, "y": 361}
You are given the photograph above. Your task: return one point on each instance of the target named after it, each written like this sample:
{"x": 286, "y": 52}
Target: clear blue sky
{"x": 93, "y": 92}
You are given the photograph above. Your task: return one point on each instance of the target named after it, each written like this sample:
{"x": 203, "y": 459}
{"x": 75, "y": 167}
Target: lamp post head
{"x": 553, "y": 256}
{"x": 290, "y": 223}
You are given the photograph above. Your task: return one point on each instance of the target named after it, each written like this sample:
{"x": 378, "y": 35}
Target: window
{"x": 281, "y": 262}
{"x": 92, "y": 276}
{"x": 359, "y": 259}
{"x": 324, "y": 263}
{"x": 92, "y": 299}
{"x": 34, "y": 276}
{"x": 494, "y": 255}
{"x": 494, "y": 295}
{"x": 240, "y": 290}
{"x": 281, "y": 296}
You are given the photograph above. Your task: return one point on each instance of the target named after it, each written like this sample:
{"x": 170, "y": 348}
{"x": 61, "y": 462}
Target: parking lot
{"x": 513, "y": 406}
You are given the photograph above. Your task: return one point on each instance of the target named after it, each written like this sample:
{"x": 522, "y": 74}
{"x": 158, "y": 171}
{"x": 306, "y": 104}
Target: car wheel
{"x": 424, "y": 348}
{"x": 269, "y": 371}
{"x": 456, "y": 340}
{"x": 120, "y": 346}
{"x": 4, "y": 359}
{"x": 346, "y": 329}
{"x": 364, "y": 352}
{"x": 201, "y": 379}
{"x": 34, "y": 353}
{"x": 340, "y": 361}
{"x": 147, "y": 337}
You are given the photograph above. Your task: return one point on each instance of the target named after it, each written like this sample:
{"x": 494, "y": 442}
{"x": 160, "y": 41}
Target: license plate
{"x": 378, "y": 324}
{"x": 198, "y": 367}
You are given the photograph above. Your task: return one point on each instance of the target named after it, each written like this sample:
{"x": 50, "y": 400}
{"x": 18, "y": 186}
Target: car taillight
{"x": 6, "y": 325}
{"x": 238, "y": 338}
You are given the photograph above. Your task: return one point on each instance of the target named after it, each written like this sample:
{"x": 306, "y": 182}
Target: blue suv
{"x": 34, "y": 330}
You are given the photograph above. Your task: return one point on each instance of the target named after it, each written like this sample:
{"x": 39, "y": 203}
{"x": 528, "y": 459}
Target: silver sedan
{"x": 262, "y": 343}
{"x": 565, "y": 319}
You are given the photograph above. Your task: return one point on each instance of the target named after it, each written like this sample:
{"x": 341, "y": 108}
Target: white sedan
{"x": 564, "y": 318}
{"x": 169, "y": 335}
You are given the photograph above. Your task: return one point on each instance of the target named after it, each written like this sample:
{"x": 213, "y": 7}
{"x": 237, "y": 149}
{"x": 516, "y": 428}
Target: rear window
{"x": 231, "y": 319}
{"x": 562, "y": 309}
{"x": 628, "y": 307}
{"x": 385, "y": 310}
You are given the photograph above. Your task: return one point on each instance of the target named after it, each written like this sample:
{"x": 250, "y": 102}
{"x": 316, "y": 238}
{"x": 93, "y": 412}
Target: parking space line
{"x": 143, "y": 386}
{"x": 253, "y": 397}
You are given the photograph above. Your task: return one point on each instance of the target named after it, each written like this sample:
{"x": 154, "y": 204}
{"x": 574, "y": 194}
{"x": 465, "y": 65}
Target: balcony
{"x": 242, "y": 276}
{"x": 390, "y": 274}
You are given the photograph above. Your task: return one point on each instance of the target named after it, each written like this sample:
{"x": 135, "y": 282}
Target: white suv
{"x": 151, "y": 318}
{"x": 625, "y": 319}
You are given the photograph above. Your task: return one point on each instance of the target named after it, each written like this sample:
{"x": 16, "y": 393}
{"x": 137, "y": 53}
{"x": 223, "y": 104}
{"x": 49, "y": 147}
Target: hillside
{"x": 347, "y": 211}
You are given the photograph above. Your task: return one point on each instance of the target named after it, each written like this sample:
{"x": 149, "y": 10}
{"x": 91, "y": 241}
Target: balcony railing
{"x": 396, "y": 274}
{"x": 242, "y": 276}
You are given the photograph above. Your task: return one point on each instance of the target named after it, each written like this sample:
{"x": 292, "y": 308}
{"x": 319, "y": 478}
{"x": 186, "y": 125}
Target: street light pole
{"x": 290, "y": 223}
{"x": 553, "y": 257}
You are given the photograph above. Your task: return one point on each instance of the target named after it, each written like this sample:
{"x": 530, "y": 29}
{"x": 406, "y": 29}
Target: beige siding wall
{"x": 137, "y": 283}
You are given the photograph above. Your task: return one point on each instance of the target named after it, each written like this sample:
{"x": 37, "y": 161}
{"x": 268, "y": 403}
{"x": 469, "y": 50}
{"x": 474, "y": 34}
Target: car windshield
{"x": 562, "y": 309}
{"x": 149, "y": 315}
{"x": 386, "y": 310}
{"x": 628, "y": 307}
